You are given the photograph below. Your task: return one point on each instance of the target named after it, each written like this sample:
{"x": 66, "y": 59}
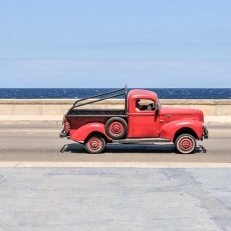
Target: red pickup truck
{"x": 142, "y": 120}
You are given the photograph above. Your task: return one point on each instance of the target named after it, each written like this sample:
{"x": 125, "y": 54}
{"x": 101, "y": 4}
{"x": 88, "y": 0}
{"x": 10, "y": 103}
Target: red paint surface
{"x": 84, "y": 131}
{"x": 163, "y": 123}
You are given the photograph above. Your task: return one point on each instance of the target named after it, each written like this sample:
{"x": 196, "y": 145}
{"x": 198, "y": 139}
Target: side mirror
{"x": 156, "y": 107}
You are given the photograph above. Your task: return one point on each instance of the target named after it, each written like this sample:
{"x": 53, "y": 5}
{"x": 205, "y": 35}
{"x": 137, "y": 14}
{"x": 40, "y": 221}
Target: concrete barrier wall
{"x": 209, "y": 107}
{"x": 60, "y": 106}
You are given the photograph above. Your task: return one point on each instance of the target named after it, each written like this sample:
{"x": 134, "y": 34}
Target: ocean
{"x": 70, "y": 93}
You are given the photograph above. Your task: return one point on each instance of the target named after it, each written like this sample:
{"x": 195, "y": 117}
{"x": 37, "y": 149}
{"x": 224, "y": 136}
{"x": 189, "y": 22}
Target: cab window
{"x": 144, "y": 105}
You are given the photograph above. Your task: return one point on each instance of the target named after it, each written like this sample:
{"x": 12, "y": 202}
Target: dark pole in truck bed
{"x": 103, "y": 94}
{"x": 97, "y": 100}
{"x": 94, "y": 96}
{"x": 126, "y": 101}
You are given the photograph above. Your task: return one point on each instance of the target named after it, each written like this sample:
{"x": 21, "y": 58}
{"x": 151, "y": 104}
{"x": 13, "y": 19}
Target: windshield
{"x": 159, "y": 103}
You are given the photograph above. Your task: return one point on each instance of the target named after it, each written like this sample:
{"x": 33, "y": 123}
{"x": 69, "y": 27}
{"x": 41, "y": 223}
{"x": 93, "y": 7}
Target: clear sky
{"x": 110, "y": 43}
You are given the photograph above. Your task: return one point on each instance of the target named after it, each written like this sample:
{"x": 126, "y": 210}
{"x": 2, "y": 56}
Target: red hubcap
{"x": 94, "y": 144}
{"x": 186, "y": 144}
{"x": 116, "y": 128}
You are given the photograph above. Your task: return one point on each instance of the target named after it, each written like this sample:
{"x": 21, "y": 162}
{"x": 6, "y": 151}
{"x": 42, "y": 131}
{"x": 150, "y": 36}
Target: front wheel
{"x": 185, "y": 144}
{"x": 95, "y": 143}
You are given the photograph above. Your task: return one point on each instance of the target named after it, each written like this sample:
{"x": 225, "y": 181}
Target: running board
{"x": 143, "y": 140}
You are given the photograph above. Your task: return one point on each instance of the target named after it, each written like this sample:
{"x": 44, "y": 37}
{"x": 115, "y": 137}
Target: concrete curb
{"x": 31, "y": 119}
{"x": 57, "y": 120}
{"x": 111, "y": 165}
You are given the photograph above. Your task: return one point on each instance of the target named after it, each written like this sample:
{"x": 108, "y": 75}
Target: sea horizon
{"x": 69, "y": 93}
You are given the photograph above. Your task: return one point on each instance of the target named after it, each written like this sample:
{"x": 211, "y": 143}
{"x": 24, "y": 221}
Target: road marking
{"x": 112, "y": 165}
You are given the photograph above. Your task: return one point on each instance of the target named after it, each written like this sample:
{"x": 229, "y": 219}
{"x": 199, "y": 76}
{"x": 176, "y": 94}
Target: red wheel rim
{"x": 116, "y": 128}
{"x": 186, "y": 144}
{"x": 94, "y": 143}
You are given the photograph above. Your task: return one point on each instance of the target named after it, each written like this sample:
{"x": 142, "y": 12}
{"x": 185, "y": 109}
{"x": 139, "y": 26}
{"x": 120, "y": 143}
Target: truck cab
{"x": 143, "y": 114}
{"x": 143, "y": 120}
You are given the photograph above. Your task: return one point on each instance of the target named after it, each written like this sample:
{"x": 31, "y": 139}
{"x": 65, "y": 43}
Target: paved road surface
{"x": 119, "y": 199}
{"x": 42, "y": 143}
{"x": 65, "y": 198}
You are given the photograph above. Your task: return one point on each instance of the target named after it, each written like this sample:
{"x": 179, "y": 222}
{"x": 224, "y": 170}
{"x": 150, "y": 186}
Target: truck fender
{"x": 169, "y": 130}
{"x": 83, "y": 132}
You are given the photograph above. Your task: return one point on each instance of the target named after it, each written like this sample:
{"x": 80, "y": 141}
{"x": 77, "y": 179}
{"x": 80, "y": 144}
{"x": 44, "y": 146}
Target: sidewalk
{"x": 31, "y": 119}
{"x": 57, "y": 119}
{"x": 115, "y": 199}
{"x": 183, "y": 165}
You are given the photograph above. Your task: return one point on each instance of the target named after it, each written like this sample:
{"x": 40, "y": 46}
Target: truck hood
{"x": 172, "y": 114}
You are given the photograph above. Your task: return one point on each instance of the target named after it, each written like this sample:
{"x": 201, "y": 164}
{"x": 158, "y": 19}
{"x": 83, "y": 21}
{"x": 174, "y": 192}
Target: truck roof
{"x": 139, "y": 93}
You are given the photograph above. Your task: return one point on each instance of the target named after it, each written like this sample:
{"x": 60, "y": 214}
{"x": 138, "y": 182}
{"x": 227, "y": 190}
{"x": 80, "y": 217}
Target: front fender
{"x": 169, "y": 130}
{"x": 83, "y": 132}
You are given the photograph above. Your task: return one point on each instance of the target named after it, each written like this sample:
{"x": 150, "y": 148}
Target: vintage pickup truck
{"x": 143, "y": 120}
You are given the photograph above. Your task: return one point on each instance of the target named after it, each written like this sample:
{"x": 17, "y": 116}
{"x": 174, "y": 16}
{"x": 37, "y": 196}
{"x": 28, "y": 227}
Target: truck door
{"x": 145, "y": 119}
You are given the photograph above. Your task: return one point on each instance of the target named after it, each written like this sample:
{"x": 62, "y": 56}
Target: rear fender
{"x": 169, "y": 130}
{"x": 83, "y": 132}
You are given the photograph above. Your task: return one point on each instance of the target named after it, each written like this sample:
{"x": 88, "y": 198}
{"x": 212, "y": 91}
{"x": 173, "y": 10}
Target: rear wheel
{"x": 185, "y": 144}
{"x": 116, "y": 128}
{"x": 95, "y": 143}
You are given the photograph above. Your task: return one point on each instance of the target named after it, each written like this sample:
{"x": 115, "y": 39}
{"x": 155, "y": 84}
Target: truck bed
{"x": 97, "y": 112}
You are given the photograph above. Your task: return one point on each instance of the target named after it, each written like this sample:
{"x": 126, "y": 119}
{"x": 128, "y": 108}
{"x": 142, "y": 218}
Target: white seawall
{"x": 51, "y": 111}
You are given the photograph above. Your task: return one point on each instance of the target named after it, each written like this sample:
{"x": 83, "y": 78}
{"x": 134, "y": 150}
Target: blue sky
{"x": 110, "y": 43}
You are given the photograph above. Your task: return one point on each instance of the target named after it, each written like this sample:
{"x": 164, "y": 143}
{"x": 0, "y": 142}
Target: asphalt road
{"x": 30, "y": 143}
